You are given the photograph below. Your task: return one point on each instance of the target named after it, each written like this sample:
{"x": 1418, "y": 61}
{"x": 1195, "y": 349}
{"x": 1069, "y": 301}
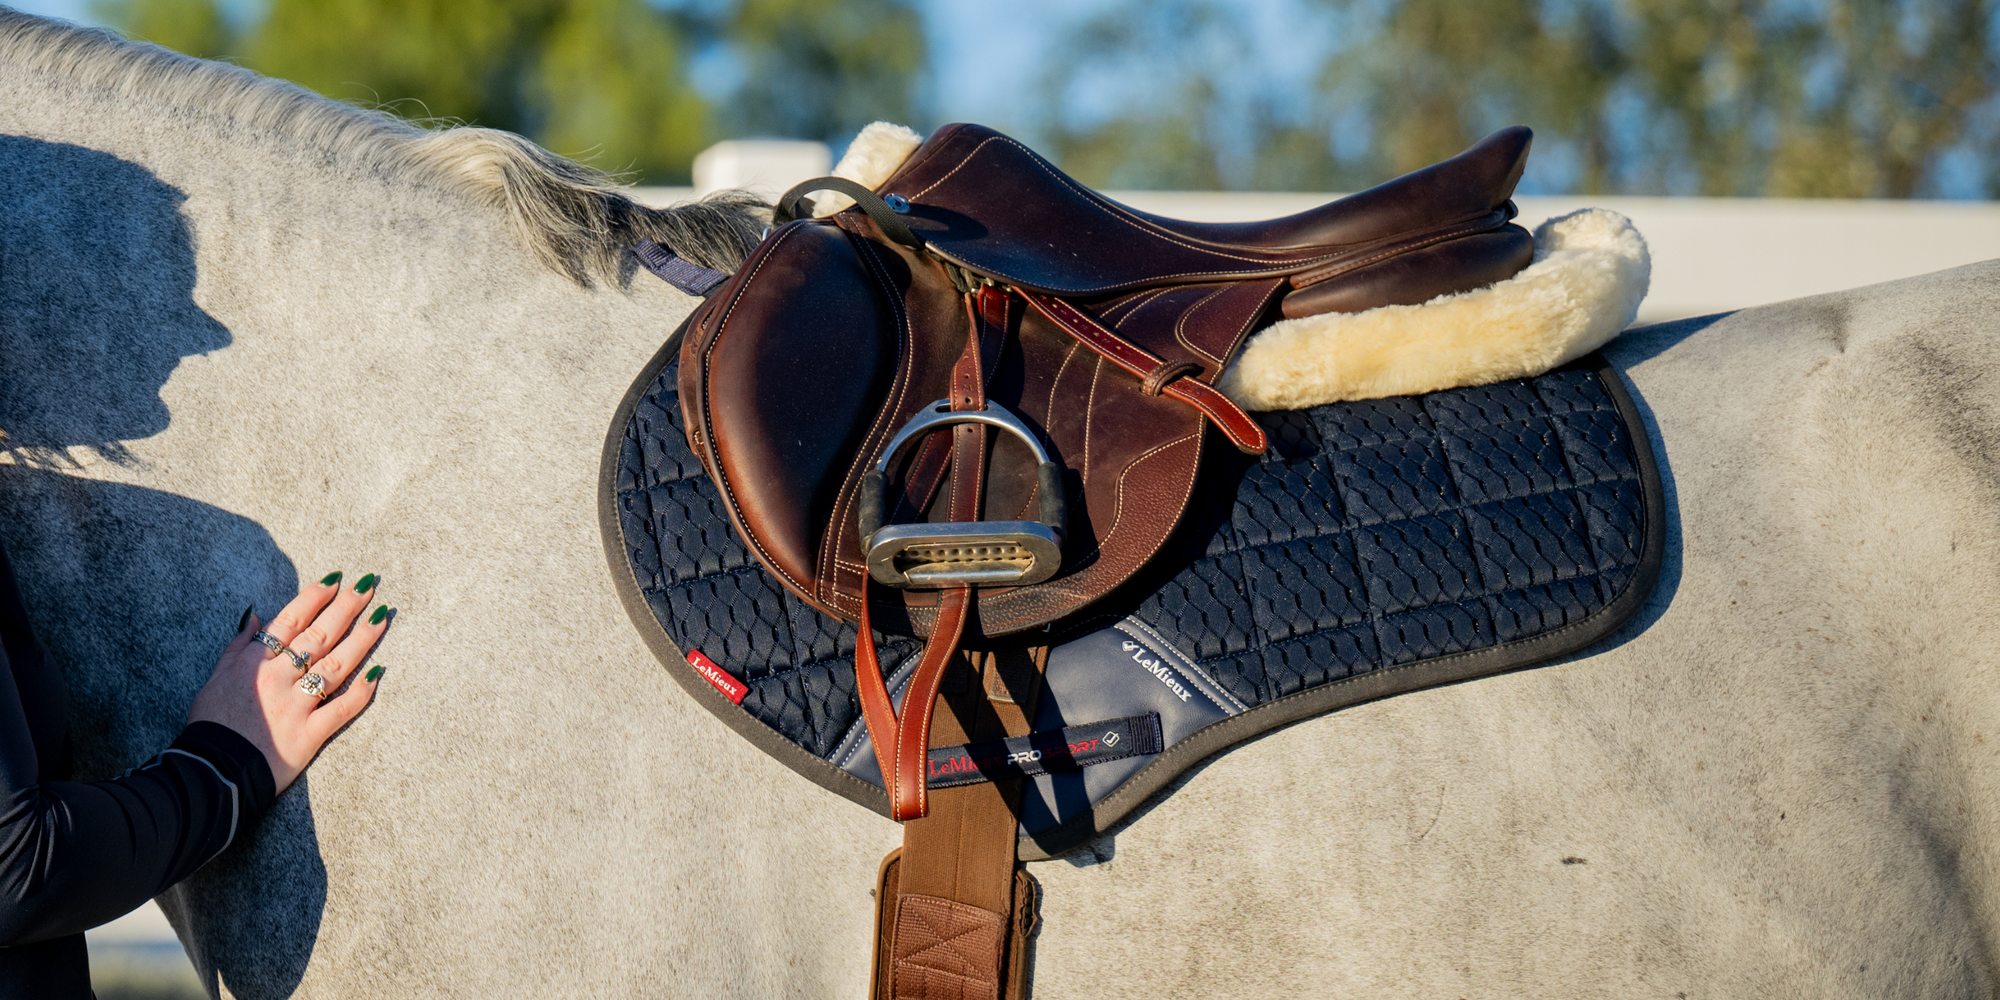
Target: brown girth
{"x": 955, "y": 912}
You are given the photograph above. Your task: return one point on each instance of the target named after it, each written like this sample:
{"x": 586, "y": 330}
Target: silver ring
{"x": 313, "y": 684}
{"x": 270, "y": 642}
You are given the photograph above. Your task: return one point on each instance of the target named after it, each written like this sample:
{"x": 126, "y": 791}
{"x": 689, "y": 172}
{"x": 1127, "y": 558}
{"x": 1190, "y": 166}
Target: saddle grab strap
{"x": 885, "y": 217}
{"x": 1155, "y": 376}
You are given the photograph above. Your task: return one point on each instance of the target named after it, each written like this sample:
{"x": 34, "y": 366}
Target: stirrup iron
{"x": 929, "y": 556}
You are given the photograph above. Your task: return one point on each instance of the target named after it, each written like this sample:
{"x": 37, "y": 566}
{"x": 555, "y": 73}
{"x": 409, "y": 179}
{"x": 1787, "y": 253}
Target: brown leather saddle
{"x": 977, "y": 403}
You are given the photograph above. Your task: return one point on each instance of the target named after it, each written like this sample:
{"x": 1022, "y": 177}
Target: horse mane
{"x": 577, "y": 219}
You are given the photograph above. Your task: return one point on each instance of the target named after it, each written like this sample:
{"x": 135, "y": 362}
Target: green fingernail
{"x": 373, "y": 672}
{"x": 330, "y": 579}
{"x": 244, "y": 620}
{"x": 374, "y": 619}
{"x": 365, "y": 584}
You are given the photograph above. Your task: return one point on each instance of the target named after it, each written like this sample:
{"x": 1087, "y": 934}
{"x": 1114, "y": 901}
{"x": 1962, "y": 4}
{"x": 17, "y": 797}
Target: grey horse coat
{"x": 247, "y": 341}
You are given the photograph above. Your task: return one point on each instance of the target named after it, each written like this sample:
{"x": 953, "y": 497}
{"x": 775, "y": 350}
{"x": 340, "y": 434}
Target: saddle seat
{"x": 1430, "y": 232}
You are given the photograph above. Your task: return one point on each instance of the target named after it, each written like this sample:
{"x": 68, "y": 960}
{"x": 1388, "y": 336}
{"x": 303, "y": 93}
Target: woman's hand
{"x": 255, "y": 691}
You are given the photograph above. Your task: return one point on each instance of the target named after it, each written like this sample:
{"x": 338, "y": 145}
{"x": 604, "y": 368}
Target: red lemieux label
{"x": 730, "y": 687}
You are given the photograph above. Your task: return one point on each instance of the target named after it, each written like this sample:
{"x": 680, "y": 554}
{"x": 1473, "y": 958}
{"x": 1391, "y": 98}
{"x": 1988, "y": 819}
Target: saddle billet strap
{"x": 1236, "y": 425}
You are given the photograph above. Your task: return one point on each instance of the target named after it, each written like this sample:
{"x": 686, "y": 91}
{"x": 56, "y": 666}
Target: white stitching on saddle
{"x": 1118, "y": 512}
{"x": 1111, "y": 209}
{"x": 1118, "y": 505}
{"x": 1132, "y": 306}
{"x": 708, "y": 417}
{"x": 1054, "y": 383}
{"x": 1089, "y": 415}
{"x": 829, "y": 559}
{"x": 1180, "y": 326}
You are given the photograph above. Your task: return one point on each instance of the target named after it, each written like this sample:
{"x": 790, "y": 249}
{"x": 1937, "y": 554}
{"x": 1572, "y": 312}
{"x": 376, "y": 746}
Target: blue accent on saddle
{"x": 693, "y": 279}
{"x": 1373, "y": 534}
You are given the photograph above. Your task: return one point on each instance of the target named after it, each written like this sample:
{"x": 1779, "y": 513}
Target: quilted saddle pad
{"x": 1379, "y": 547}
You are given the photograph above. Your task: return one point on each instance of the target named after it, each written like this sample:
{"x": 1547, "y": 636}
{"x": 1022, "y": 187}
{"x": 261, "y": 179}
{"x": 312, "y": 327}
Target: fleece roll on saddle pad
{"x": 1378, "y": 547}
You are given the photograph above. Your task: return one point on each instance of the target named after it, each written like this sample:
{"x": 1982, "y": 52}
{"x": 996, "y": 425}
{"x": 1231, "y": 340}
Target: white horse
{"x": 249, "y": 336}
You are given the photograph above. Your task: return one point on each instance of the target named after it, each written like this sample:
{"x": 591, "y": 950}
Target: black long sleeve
{"x": 74, "y": 855}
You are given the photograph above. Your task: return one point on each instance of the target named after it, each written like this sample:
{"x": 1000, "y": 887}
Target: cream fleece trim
{"x": 869, "y": 160}
{"x": 1589, "y": 272}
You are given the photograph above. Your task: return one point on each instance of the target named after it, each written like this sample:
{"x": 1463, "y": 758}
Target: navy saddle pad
{"x": 1379, "y": 547}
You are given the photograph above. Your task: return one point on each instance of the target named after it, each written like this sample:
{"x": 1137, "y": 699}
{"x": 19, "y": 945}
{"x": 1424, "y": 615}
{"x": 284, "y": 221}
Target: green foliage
{"x": 191, "y": 26}
{"x": 610, "y": 76}
{"x": 1753, "y": 97}
{"x": 1174, "y": 138}
{"x": 577, "y": 75}
{"x": 1847, "y": 98}
{"x": 605, "y": 79}
{"x": 459, "y": 59}
{"x": 610, "y": 79}
{"x": 820, "y": 70}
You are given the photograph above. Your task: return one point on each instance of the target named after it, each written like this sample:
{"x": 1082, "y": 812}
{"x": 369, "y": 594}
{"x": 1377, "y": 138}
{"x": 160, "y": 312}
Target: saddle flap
{"x": 784, "y": 377}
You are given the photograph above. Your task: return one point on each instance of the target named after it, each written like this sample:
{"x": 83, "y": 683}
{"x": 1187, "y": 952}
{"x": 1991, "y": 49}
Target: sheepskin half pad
{"x": 1590, "y": 270}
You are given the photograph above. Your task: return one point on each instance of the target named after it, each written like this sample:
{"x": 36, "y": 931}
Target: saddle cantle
{"x": 962, "y": 435}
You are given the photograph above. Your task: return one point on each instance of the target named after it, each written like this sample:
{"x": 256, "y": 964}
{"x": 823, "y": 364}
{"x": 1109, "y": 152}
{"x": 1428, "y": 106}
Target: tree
{"x": 605, "y": 79}
{"x": 191, "y": 26}
{"x": 1849, "y": 98}
{"x": 820, "y": 70}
